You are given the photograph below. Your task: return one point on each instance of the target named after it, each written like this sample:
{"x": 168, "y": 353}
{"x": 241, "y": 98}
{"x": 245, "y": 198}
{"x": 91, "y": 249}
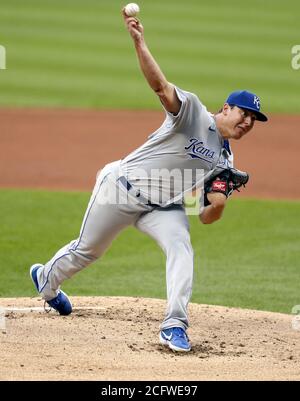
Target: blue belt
{"x": 136, "y": 193}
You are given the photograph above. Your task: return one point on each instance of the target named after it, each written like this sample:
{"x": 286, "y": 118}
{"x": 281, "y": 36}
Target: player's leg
{"x": 103, "y": 220}
{"x": 170, "y": 228}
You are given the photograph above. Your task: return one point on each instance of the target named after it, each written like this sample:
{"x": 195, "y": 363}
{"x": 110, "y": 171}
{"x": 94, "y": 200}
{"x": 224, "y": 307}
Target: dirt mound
{"x": 116, "y": 338}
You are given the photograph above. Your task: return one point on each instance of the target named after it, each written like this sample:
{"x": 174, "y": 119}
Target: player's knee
{"x": 83, "y": 258}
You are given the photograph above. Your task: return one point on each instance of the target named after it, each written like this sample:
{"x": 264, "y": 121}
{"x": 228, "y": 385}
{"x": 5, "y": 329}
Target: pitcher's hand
{"x": 135, "y": 28}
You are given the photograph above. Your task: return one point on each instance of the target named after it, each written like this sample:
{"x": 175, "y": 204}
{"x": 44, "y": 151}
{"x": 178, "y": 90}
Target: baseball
{"x": 132, "y": 9}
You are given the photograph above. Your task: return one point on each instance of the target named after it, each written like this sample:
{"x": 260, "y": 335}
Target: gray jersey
{"x": 187, "y": 144}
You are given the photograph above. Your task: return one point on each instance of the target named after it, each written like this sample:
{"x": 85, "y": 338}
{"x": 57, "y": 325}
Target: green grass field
{"x": 77, "y": 53}
{"x": 250, "y": 259}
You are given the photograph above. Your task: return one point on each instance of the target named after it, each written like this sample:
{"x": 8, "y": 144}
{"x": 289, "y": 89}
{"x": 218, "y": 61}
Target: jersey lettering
{"x": 197, "y": 149}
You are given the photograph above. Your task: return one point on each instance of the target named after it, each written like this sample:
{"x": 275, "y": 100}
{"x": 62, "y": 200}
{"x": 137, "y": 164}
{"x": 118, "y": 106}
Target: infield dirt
{"x": 119, "y": 341}
{"x": 64, "y": 149}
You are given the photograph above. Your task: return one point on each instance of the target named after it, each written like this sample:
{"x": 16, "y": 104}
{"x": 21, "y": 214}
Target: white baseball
{"x": 132, "y": 9}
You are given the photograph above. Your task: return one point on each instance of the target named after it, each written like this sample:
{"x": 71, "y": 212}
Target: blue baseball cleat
{"x": 61, "y": 302}
{"x": 176, "y": 338}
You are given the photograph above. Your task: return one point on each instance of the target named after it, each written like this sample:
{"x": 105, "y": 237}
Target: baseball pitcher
{"x": 134, "y": 191}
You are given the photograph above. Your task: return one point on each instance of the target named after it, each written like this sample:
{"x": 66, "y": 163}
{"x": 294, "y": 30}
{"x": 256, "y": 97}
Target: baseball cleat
{"x": 61, "y": 302}
{"x": 176, "y": 338}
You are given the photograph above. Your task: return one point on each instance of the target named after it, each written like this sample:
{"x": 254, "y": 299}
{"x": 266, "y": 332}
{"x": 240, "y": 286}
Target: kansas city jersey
{"x": 178, "y": 156}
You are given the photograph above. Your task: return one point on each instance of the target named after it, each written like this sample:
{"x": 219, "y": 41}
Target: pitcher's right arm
{"x": 151, "y": 70}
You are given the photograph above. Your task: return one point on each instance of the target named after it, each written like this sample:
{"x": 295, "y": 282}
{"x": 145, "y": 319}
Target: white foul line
{"x": 40, "y": 309}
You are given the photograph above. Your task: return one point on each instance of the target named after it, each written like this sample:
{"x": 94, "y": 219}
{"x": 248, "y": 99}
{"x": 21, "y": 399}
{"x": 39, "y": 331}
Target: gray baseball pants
{"x": 104, "y": 219}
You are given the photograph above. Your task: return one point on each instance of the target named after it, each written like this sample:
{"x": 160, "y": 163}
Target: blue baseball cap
{"x": 247, "y": 100}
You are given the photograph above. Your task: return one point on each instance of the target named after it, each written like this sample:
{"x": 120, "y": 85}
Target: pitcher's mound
{"x": 116, "y": 338}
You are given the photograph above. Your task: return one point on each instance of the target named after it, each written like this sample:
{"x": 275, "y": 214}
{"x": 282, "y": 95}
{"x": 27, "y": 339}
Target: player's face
{"x": 239, "y": 122}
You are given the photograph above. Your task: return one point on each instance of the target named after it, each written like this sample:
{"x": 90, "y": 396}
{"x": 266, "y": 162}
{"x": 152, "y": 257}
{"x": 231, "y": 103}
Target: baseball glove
{"x": 226, "y": 182}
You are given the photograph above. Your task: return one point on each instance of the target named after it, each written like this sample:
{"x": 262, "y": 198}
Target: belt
{"x": 136, "y": 193}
